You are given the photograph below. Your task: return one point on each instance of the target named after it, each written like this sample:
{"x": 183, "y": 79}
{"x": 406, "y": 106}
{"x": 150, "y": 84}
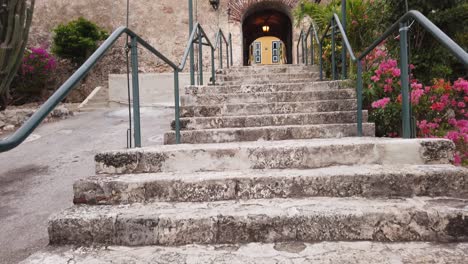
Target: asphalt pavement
{"x": 36, "y": 178}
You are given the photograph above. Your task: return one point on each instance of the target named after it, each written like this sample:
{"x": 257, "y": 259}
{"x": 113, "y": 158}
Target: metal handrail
{"x": 300, "y": 41}
{"x": 303, "y": 38}
{"x": 35, "y": 120}
{"x": 401, "y": 25}
{"x": 220, "y": 37}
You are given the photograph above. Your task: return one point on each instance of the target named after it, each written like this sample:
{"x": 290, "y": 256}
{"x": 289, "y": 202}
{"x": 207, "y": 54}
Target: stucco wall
{"x": 163, "y": 23}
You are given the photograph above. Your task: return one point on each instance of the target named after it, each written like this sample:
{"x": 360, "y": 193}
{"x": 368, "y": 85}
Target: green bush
{"x": 77, "y": 40}
{"x": 431, "y": 58}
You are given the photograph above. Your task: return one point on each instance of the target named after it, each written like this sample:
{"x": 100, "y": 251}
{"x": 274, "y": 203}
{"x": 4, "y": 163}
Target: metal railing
{"x": 197, "y": 36}
{"x": 403, "y": 28}
{"x": 314, "y": 40}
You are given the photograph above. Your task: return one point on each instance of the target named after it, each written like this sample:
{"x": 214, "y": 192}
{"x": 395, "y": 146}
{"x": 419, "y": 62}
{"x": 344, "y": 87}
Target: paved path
{"x": 36, "y": 178}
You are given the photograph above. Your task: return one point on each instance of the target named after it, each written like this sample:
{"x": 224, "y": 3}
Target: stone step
{"x": 267, "y": 80}
{"x": 268, "y": 108}
{"x": 287, "y": 154}
{"x": 198, "y": 123}
{"x": 265, "y": 88}
{"x": 269, "y": 133}
{"x": 273, "y": 77}
{"x": 264, "y": 220}
{"x": 344, "y": 181}
{"x": 359, "y": 252}
{"x": 252, "y": 70}
{"x": 238, "y": 98}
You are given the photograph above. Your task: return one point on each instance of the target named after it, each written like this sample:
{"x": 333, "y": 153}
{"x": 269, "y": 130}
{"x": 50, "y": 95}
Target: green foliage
{"x": 77, "y": 40}
{"x": 364, "y": 19}
{"x": 431, "y": 59}
{"x": 15, "y": 21}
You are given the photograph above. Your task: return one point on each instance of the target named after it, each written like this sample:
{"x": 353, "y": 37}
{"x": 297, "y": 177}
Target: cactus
{"x": 15, "y": 21}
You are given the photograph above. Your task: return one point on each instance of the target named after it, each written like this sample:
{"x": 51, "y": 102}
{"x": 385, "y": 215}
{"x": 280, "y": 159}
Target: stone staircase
{"x": 284, "y": 181}
{"x": 268, "y": 103}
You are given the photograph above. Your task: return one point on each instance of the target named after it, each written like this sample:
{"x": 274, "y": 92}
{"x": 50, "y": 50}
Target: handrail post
{"x": 200, "y": 57}
{"x": 321, "y": 61}
{"x": 136, "y": 94}
{"x": 333, "y": 50}
{"x": 230, "y": 48}
{"x": 297, "y": 52}
{"x": 312, "y": 59}
{"x": 227, "y": 55}
{"x": 404, "y": 75}
{"x": 213, "y": 71}
{"x": 343, "y": 50}
{"x": 306, "y": 52}
{"x": 220, "y": 52}
{"x": 177, "y": 106}
{"x": 192, "y": 53}
{"x": 359, "y": 98}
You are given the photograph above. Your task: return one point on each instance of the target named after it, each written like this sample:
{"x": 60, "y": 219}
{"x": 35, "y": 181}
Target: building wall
{"x": 163, "y": 23}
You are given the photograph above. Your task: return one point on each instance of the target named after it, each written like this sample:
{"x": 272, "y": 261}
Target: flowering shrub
{"x": 438, "y": 110}
{"x": 36, "y": 69}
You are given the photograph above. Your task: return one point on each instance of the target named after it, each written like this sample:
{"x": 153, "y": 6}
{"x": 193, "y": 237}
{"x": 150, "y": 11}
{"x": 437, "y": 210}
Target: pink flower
{"x": 461, "y": 105}
{"x": 382, "y": 103}
{"x": 375, "y": 78}
{"x": 453, "y": 135}
{"x": 388, "y": 88}
{"x": 416, "y": 85}
{"x": 438, "y": 106}
{"x": 396, "y": 72}
{"x": 416, "y": 96}
{"x": 457, "y": 159}
{"x": 461, "y": 85}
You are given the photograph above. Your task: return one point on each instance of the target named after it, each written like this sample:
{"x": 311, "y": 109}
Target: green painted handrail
{"x": 34, "y": 121}
{"x": 220, "y": 37}
{"x": 400, "y": 25}
{"x": 299, "y": 41}
{"x": 303, "y": 39}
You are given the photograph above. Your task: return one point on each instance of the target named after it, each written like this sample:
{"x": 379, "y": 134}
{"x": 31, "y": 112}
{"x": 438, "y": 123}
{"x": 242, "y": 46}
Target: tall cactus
{"x": 15, "y": 21}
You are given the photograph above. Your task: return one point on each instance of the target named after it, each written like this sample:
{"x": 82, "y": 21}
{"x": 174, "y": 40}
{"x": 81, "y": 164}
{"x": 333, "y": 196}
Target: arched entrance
{"x": 276, "y": 16}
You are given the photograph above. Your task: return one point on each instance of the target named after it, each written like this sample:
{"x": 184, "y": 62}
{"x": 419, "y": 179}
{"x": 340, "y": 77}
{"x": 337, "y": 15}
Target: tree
{"x": 15, "y": 21}
{"x": 431, "y": 59}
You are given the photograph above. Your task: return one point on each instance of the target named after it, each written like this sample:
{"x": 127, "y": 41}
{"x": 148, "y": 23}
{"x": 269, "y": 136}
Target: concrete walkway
{"x": 36, "y": 178}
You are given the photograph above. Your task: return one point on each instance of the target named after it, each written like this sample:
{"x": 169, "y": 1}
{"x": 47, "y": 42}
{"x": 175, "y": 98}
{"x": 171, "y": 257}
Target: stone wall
{"x": 163, "y": 23}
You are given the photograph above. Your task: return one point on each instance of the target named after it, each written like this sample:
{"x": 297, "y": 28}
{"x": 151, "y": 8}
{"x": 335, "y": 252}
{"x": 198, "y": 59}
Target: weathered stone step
{"x": 265, "y": 88}
{"x": 269, "y": 133}
{"x": 198, "y": 123}
{"x": 271, "y": 220}
{"x": 267, "y": 80}
{"x": 343, "y": 181}
{"x": 358, "y": 252}
{"x": 238, "y": 98}
{"x": 272, "y": 77}
{"x": 287, "y": 154}
{"x": 268, "y": 108}
{"x": 252, "y": 70}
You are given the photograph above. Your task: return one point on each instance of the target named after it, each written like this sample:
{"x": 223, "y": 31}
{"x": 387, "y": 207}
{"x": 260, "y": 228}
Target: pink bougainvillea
{"x": 381, "y": 103}
{"x": 440, "y": 109}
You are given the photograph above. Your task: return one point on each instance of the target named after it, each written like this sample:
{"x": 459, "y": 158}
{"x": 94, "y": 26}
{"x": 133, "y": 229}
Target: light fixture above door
{"x": 266, "y": 28}
{"x": 214, "y": 4}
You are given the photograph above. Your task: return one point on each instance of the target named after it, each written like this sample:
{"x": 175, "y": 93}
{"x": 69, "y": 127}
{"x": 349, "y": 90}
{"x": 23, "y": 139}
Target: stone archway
{"x": 276, "y": 17}
{"x": 239, "y": 8}
{"x": 257, "y": 13}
